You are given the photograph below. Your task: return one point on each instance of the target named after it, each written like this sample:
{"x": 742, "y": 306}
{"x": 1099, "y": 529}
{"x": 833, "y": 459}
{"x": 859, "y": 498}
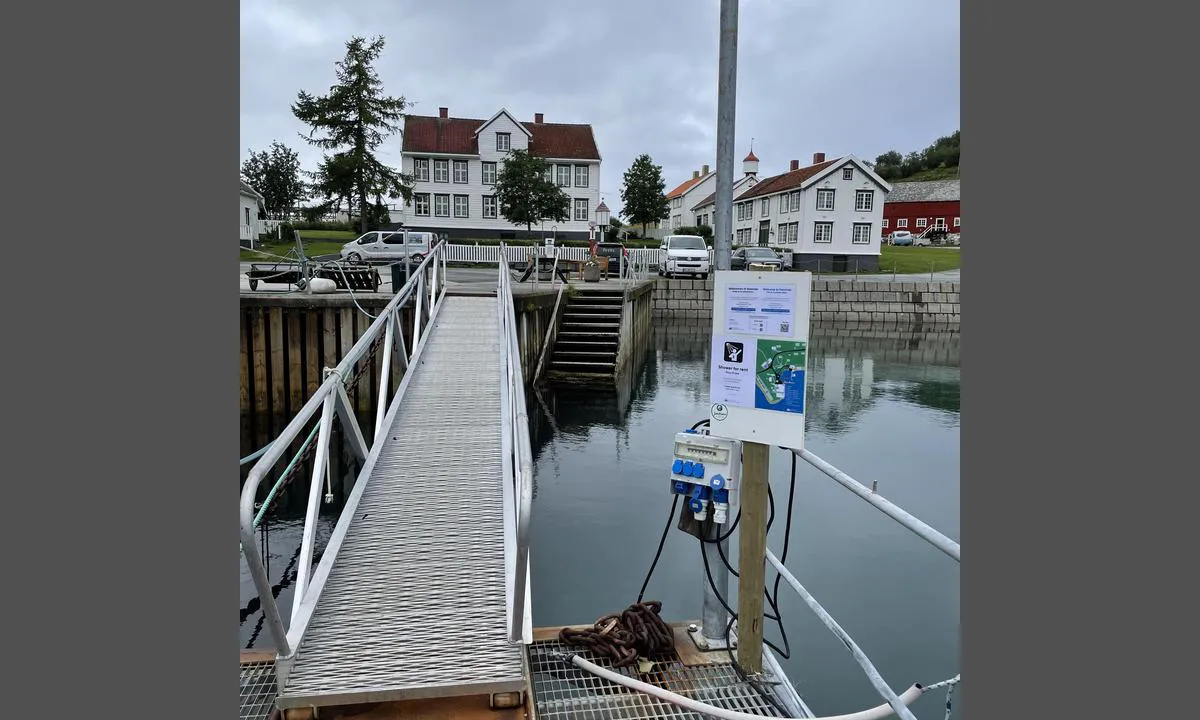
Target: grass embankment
{"x": 316, "y": 242}
{"x": 912, "y": 260}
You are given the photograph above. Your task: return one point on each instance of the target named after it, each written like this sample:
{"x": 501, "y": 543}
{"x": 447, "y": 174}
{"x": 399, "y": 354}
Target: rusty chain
{"x": 636, "y": 632}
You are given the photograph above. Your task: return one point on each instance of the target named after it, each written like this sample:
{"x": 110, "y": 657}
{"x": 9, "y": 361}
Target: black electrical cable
{"x": 787, "y": 529}
{"x": 705, "y": 421}
{"x": 661, "y": 541}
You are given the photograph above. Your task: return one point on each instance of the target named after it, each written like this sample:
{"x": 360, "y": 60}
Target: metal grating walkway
{"x": 565, "y": 692}
{"x": 414, "y": 605}
{"x": 257, "y": 693}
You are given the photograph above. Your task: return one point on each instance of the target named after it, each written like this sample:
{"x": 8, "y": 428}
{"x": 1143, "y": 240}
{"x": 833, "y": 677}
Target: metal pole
{"x": 303, "y": 262}
{"x": 714, "y": 618}
{"x": 726, "y": 101}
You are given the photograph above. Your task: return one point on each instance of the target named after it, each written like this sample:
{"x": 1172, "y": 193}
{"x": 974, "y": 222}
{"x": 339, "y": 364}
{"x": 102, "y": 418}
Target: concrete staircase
{"x": 589, "y": 336}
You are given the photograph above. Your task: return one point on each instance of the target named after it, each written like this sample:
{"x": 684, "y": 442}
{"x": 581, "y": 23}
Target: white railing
{"x": 489, "y": 254}
{"x": 517, "y": 457}
{"x": 425, "y": 289}
{"x": 246, "y": 232}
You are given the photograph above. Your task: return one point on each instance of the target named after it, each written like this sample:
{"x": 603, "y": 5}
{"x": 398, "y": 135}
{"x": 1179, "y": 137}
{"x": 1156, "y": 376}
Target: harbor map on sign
{"x": 779, "y": 376}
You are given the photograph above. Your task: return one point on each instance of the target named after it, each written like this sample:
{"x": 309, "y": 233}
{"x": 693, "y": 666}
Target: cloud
{"x": 853, "y": 76}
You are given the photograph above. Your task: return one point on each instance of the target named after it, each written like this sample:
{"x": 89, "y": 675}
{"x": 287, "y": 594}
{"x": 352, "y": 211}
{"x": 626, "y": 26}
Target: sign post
{"x": 756, "y": 394}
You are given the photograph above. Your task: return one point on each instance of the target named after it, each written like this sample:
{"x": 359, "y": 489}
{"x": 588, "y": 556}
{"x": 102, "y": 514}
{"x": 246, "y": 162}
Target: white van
{"x": 684, "y": 255}
{"x": 383, "y": 245}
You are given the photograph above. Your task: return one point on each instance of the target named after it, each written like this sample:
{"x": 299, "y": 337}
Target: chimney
{"x": 704, "y": 171}
{"x": 818, "y": 158}
{"x": 795, "y": 165}
{"x": 537, "y": 117}
{"x": 695, "y": 174}
{"x": 443, "y": 112}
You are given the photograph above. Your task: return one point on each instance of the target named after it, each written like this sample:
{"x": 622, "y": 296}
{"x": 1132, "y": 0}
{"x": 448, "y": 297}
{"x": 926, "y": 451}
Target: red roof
{"x": 712, "y": 197}
{"x": 685, "y": 186}
{"x": 786, "y": 181}
{"x": 427, "y": 134}
{"x": 751, "y": 157}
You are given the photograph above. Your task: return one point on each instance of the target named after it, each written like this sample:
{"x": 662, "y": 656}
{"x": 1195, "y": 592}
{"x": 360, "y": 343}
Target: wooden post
{"x": 258, "y": 358}
{"x": 295, "y": 353}
{"x": 752, "y": 555}
{"x": 278, "y": 368}
{"x": 312, "y": 354}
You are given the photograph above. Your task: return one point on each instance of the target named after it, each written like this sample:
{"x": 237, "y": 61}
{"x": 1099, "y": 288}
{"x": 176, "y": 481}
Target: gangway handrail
{"x": 518, "y": 462}
{"x": 426, "y": 286}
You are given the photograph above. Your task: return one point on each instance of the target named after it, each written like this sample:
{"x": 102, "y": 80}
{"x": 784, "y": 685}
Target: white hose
{"x": 876, "y": 713}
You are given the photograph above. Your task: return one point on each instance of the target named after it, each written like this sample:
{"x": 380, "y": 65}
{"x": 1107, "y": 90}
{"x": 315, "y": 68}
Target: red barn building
{"x": 916, "y": 206}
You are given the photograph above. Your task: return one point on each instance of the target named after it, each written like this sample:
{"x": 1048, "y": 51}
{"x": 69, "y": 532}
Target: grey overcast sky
{"x": 832, "y": 76}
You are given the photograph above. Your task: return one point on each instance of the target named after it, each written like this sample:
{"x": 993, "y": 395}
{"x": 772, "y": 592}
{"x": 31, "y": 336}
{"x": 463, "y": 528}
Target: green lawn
{"x": 316, "y": 242}
{"x": 908, "y": 259}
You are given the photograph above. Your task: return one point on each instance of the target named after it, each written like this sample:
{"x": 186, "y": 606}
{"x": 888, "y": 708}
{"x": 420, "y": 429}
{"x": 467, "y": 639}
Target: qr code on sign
{"x": 783, "y": 326}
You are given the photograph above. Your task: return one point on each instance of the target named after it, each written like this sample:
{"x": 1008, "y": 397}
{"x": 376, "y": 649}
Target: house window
{"x": 441, "y": 171}
{"x": 489, "y": 207}
{"x": 421, "y": 204}
{"x": 902, "y": 223}
{"x": 862, "y": 234}
{"x": 745, "y": 210}
{"x": 864, "y": 200}
{"x": 581, "y": 209}
{"x": 246, "y": 212}
{"x": 441, "y": 205}
{"x": 847, "y": 173}
{"x": 823, "y": 232}
{"x": 957, "y": 223}
{"x": 677, "y": 203}
{"x": 675, "y": 222}
{"x": 503, "y": 142}
{"x": 794, "y": 199}
{"x": 766, "y": 207}
{"x": 489, "y": 173}
{"x": 421, "y": 169}
{"x": 825, "y": 199}
{"x": 564, "y": 176}
{"x": 462, "y": 207}
{"x": 885, "y": 222}
{"x": 548, "y": 174}
{"x": 922, "y": 222}
{"x": 939, "y": 223}
{"x": 744, "y": 236}
{"x": 783, "y": 203}
{"x": 581, "y": 176}
{"x": 460, "y": 171}
{"x": 789, "y": 232}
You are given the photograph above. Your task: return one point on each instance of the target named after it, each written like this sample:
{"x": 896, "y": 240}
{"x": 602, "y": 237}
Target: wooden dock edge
{"x": 688, "y": 653}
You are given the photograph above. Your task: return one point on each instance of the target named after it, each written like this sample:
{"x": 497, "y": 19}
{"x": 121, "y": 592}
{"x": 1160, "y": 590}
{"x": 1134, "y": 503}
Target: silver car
{"x": 384, "y": 245}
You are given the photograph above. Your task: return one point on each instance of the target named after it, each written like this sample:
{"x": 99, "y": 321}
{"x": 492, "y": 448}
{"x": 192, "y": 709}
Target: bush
{"x": 703, "y": 231}
{"x": 291, "y": 225}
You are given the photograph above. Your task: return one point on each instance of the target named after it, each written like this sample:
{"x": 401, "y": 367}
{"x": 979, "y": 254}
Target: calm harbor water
{"x": 882, "y": 406}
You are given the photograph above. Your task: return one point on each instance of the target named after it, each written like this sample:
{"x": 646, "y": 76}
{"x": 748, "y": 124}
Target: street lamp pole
{"x": 602, "y": 218}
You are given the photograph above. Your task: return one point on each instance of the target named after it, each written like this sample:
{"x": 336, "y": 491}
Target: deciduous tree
{"x": 524, "y": 194}
{"x": 275, "y": 174}
{"x": 644, "y": 193}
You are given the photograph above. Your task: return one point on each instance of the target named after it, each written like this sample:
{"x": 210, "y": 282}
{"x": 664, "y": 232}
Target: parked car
{"x": 385, "y": 245}
{"x": 684, "y": 255}
{"x": 921, "y": 241}
{"x": 613, "y": 251}
{"x": 900, "y": 237}
{"x": 744, "y": 257}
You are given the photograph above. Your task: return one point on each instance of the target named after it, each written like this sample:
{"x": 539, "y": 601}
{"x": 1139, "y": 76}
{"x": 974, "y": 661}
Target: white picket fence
{"x": 520, "y": 253}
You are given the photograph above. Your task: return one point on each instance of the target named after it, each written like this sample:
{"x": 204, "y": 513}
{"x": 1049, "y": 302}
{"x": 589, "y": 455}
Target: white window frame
{"x": 901, "y": 223}
{"x": 562, "y": 174}
{"x": 794, "y": 199}
{"x": 582, "y": 176}
{"x": 863, "y": 230}
{"x": 783, "y": 204}
{"x": 847, "y": 173}
{"x": 860, "y": 196}
{"x": 957, "y": 222}
{"x": 823, "y": 193}
{"x": 676, "y": 222}
{"x": 490, "y": 207}
{"x": 421, "y": 169}
{"x": 885, "y": 224}
{"x": 581, "y": 210}
{"x": 420, "y": 199}
{"x": 503, "y": 142}
{"x": 922, "y": 222}
{"x": 466, "y": 206}
{"x": 484, "y": 173}
{"x": 766, "y": 207}
{"x": 817, "y": 227}
{"x": 548, "y": 173}
{"x": 466, "y": 172}
{"x": 939, "y": 223}
{"x": 441, "y": 169}
{"x": 443, "y": 200}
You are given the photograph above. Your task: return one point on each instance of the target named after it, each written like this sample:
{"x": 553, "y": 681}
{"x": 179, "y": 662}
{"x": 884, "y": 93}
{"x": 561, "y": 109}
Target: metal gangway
{"x": 422, "y": 590}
